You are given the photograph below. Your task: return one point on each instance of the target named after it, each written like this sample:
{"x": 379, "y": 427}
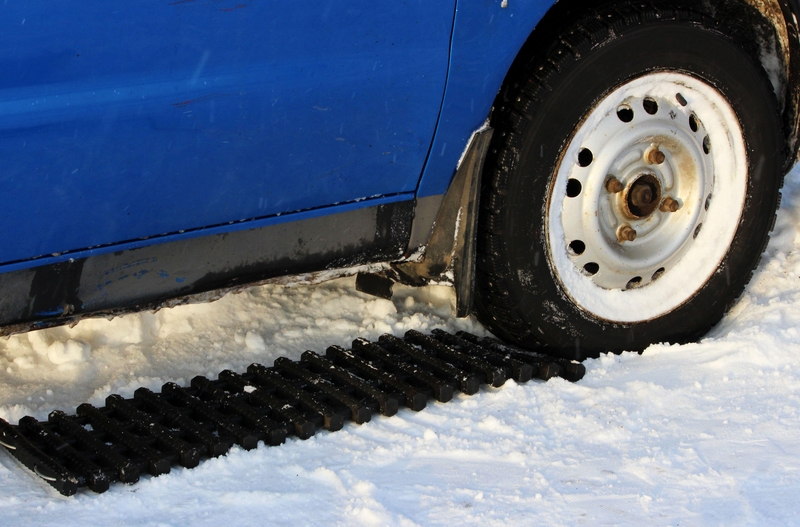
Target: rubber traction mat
{"x": 151, "y": 432}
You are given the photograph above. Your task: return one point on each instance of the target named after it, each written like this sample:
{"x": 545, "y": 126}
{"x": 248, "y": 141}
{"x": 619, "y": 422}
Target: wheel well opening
{"x": 762, "y": 24}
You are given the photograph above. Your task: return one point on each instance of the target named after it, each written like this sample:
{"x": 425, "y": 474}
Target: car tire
{"x": 631, "y": 184}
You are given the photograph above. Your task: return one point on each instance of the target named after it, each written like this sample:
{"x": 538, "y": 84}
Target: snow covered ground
{"x": 701, "y": 434}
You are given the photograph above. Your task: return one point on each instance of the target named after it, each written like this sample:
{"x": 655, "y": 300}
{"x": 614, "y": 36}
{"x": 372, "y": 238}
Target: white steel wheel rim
{"x": 703, "y": 169}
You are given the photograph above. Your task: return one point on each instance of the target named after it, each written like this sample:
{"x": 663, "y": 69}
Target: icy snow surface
{"x": 702, "y": 434}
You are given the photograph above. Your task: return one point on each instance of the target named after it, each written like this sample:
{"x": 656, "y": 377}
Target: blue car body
{"x": 129, "y": 121}
{"x": 156, "y": 149}
{"x": 130, "y": 125}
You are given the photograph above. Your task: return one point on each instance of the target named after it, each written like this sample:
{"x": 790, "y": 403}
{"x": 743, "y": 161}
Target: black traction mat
{"x": 151, "y": 432}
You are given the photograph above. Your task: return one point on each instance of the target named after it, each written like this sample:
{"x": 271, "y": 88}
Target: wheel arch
{"x": 776, "y": 45}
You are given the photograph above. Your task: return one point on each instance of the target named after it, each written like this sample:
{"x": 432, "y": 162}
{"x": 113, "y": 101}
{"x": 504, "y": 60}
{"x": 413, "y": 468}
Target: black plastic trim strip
{"x": 154, "y": 276}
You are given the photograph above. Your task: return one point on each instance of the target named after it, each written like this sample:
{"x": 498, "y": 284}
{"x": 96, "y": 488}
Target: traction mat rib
{"x": 151, "y": 432}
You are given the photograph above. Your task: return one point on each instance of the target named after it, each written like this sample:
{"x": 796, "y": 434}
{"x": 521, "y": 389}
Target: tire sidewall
{"x": 664, "y": 46}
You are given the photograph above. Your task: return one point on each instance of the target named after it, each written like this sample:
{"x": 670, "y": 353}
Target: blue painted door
{"x": 127, "y": 120}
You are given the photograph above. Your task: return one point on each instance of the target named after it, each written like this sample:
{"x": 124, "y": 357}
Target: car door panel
{"x": 136, "y": 120}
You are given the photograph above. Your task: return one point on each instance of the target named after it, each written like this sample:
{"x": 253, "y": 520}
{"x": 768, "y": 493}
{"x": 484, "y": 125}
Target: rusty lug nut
{"x": 613, "y": 185}
{"x": 669, "y": 205}
{"x": 656, "y": 156}
{"x": 626, "y": 234}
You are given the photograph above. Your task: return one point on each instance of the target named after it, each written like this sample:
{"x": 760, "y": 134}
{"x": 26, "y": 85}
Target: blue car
{"x": 590, "y": 175}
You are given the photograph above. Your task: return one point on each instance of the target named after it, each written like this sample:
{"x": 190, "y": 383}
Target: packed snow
{"x": 700, "y": 434}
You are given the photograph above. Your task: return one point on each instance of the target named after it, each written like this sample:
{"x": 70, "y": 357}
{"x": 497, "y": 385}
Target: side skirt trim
{"x": 154, "y": 276}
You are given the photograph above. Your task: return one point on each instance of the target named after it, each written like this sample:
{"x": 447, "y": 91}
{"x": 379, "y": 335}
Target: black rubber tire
{"x": 519, "y": 296}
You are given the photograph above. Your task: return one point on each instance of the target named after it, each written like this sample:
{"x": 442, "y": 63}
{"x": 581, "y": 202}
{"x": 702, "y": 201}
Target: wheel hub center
{"x": 643, "y": 196}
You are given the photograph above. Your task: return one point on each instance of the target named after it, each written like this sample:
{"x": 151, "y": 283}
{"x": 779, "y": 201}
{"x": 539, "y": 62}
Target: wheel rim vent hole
{"x": 681, "y": 99}
{"x": 591, "y": 268}
{"x": 693, "y": 123}
{"x": 585, "y": 157}
{"x": 658, "y": 274}
{"x": 634, "y": 282}
{"x": 577, "y": 247}
{"x": 574, "y": 188}
{"x": 625, "y": 113}
{"x": 706, "y": 145}
{"x": 650, "y": 106}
